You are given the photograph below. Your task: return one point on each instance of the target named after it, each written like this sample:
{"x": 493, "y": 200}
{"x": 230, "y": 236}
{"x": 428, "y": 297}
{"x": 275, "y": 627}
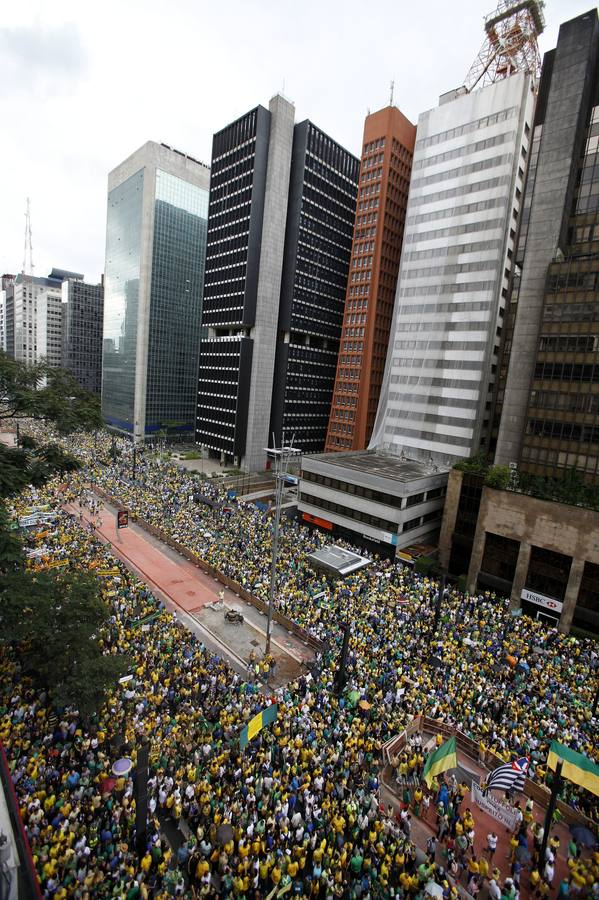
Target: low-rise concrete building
{"x": 390, "y": 500}
{"x": 543, "y": 554}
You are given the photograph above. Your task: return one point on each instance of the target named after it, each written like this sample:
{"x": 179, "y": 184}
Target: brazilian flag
{"x": 266, "y": 717}
{"x": 576, "y": 767}
{"x": 440, "y": 761}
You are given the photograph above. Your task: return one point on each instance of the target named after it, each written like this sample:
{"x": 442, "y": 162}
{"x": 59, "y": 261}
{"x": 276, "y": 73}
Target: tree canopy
{"x": 51, "y": 621}
{"x": 45, "y": 394}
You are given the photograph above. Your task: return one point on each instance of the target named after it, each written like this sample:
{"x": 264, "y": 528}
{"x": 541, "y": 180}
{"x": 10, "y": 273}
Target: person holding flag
{"x": 440, "y": 761}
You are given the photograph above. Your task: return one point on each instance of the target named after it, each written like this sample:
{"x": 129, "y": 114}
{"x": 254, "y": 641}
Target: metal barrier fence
{"x": 539, "y": 793}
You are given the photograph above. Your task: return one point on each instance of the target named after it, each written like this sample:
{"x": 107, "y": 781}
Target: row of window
{"x": 570, "y": 343}
{"x": 580, "y": 403}
{"x": 464, "y": 150}
{"x": 547, "y": 371}
{"x": 348, "y": 513}
{"x": 468, "y": 127}
{"x": 436, "y": 252}
{"x": 564, "y": 431}
{"x": 453, "y": 230}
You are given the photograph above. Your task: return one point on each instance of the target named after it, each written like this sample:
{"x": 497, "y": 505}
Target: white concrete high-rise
{"x": 465, "y": 194}
{"x": 38, "y": 317}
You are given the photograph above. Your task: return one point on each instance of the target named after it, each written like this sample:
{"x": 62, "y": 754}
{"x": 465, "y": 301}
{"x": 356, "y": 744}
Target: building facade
{"x": 7, "y": 314}
{"x": 387, "y": 150}
{"x": 548, "y": 398}
{"x": 371, "y": 496}
{"x": 465, "y": 194}
{"x": 521, "y": 540}
{"x": 155, "y": 252}
{"x": 318, "y": 238}
{"x": 543, "y": 555}
{"x": 282, "y": 202}
{"x": 82, "y": 320}
{"x": 38, "y": 317}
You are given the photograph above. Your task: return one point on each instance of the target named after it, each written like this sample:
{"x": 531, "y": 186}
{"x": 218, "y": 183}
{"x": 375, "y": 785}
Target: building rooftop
{"x": 385, "y": 465}
{"x": 338, "y": 561}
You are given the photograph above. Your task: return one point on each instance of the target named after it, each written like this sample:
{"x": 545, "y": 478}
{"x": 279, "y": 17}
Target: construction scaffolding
{"x": 511, "y": 43}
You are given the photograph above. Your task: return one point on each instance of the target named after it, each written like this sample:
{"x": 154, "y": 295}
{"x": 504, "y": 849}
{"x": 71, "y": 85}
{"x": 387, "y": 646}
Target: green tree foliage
{"x": 46, "y": 394}
{"x": 54, "y": 623}
{"x": 498, "y": 477}
{"x": 476, "y": 465}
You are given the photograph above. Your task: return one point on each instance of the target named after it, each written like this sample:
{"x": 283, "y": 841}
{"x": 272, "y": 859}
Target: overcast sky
{"x": 83, "y": 84}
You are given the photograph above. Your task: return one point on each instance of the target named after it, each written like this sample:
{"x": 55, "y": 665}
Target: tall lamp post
{"x": 282, "y": 457}
{"x": 440, "y": 595}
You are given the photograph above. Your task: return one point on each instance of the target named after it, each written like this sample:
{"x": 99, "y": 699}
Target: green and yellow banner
{"x": 266, "y": 717}
{"x": 440, "y": 761}
{"x": 576, "y": 767}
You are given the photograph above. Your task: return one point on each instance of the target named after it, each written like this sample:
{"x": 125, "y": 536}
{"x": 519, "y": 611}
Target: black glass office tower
{"x": 82, "y": 317}
{"x": 280, "y": 224}
{"x": 318, "y": 240}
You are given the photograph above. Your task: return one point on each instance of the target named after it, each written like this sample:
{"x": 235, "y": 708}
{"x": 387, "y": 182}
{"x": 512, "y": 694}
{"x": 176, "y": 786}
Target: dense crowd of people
{"x": 302, "y": 801}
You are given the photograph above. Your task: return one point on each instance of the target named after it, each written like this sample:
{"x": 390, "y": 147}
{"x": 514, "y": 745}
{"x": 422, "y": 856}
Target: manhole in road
{"x": 255, "y": 643}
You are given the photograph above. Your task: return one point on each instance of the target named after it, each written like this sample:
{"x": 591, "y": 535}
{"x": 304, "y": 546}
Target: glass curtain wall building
{"x": 155, "y": 252}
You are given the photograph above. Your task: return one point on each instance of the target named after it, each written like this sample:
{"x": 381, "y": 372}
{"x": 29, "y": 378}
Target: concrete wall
{"x": 570, "y": 530}
{"x": 450, "y": 514}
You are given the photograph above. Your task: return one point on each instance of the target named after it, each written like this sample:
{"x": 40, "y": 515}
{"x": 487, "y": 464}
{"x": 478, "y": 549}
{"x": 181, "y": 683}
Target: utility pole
{"x": 341, "y": 676}
{"x": 134, "y": 459}
{"x": 555, "y": 789}
{"x": 282, "y": 457}
{"x": 141, "y": 796}
{"x": 440, "y": 593}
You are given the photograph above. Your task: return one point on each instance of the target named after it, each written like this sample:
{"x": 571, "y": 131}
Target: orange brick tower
{"x": 386, "y": 164}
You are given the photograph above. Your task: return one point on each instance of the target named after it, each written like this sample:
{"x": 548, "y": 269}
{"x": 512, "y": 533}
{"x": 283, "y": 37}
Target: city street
{"x": 191, "y": 593}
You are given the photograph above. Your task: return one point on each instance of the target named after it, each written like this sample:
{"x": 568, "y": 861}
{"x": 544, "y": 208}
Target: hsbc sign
{"x": 541, "y": 600}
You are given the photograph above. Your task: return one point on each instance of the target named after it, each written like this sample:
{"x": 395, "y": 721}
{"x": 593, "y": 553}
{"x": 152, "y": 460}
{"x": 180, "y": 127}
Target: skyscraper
{"x": 282, "y": 202}
{"x": 155, "y": 250}
{"x": 547, "y": 399}
{"x": 320, "y": 223}
{"x": 38, "y": 317}
{"x": 465, "y": 196}
{"x": 387, "y": 149}
{"x": 82, "y": 317}
{"x": 508, "y": 534}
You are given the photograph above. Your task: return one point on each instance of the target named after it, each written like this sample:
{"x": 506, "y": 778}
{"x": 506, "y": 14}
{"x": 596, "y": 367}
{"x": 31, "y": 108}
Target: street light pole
{"x": 134, "y": 460}
{"x": 440, "y": 594}
{"x": 555, "y": 789}
{"x": 282, "y": 457}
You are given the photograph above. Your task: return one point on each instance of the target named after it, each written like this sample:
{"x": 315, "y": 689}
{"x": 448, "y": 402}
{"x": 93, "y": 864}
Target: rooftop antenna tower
{"x": 511, "y": 43}
{"x": 28, "y": 248}
{"x": 391, "y": 93}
